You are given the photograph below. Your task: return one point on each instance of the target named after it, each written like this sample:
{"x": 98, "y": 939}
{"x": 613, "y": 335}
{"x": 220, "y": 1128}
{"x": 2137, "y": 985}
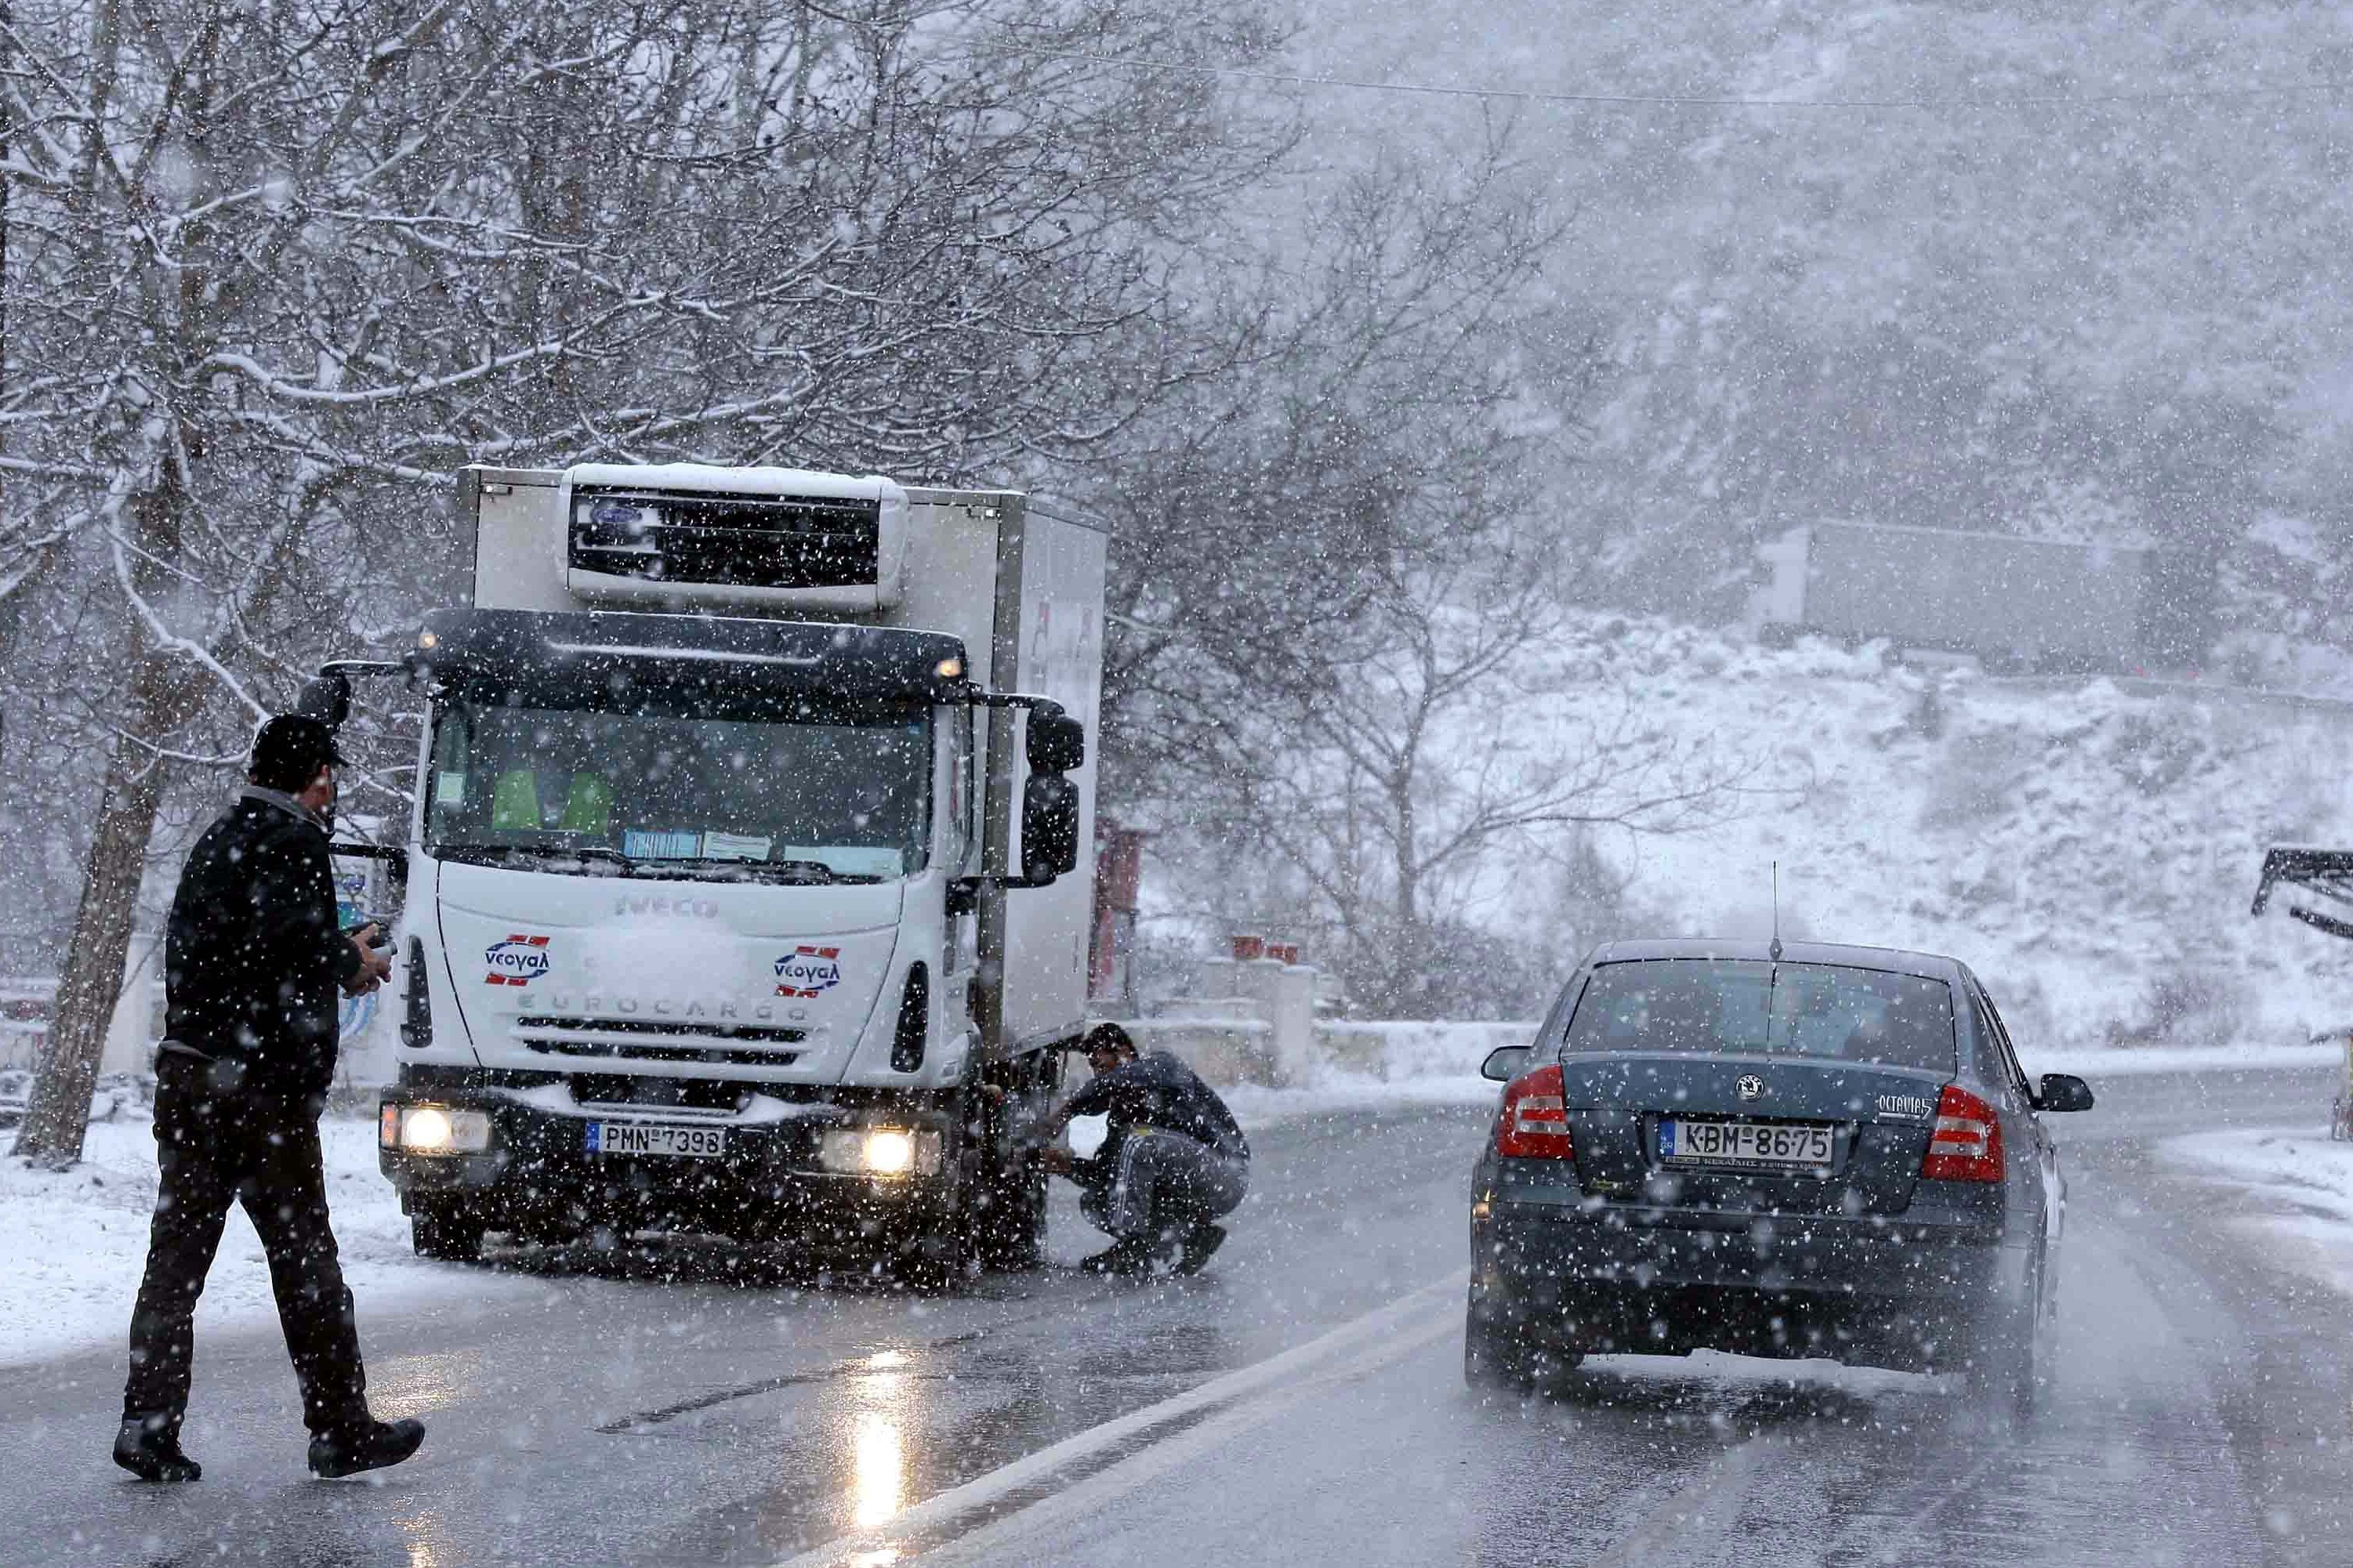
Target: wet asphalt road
{"x": 691, "y": 1405}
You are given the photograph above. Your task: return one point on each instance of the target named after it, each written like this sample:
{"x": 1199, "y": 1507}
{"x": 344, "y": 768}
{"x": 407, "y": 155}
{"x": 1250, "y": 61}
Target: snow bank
{"x": 72, "y": 1244}
{"x": 2300, "y": 1171}
{"x": 2302, "y": 1167}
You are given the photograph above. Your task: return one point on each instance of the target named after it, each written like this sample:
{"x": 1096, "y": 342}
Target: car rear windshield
{"x": 1709, "y": 1005}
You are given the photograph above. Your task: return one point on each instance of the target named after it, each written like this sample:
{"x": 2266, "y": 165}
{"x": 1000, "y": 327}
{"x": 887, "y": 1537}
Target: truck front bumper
{"x": 539, "y": 1175}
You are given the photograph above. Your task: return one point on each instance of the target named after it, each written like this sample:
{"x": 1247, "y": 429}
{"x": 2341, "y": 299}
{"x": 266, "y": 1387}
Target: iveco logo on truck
{"x": 518, "y": 961}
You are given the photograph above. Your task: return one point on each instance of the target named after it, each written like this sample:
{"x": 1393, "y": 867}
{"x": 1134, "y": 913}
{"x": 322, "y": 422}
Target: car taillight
{"x": 1966, "y": 1144}
{"x": 1534, "y": 1124}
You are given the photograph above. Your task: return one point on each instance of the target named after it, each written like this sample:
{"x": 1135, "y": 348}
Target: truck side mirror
{"x": 326, "y": 697}
{"x": 1058, "y": 742}
{"x": 1050, "y": 828}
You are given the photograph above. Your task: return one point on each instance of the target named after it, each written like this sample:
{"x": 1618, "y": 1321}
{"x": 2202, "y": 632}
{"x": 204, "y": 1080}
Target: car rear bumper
{"x": 1618, "y": 1279}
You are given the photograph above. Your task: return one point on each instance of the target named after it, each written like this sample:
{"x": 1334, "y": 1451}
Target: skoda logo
{"x": 1751, "y": 1087}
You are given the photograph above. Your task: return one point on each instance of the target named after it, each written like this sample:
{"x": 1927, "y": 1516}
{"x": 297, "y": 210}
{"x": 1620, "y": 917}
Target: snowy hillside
{"x": 2090, "y": 850}
{"x": 1917, "y": 300}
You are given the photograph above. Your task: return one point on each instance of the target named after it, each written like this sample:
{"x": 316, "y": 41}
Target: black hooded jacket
{"x": 1153, "y": 1090}
{"x": 254, "y": 961}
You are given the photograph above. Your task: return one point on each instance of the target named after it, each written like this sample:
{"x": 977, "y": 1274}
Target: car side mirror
{"x": 1050, "y": 828}
{"x": 1505, "y": 1063}
{"x": 1058, "y": 742}
{"x": 2063, "y": 1091}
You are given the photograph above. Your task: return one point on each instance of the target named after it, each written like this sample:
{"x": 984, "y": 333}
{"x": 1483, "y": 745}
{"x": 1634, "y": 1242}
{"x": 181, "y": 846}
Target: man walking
{"x": 253, "y": 962}
{"x": 1172, "y": 1163}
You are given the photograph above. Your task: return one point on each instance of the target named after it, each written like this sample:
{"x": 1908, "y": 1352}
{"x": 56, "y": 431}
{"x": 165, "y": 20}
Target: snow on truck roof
{"x": 732, "y": 482}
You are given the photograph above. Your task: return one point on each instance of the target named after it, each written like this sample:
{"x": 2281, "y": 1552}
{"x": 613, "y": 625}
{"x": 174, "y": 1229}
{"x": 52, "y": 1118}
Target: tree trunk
{"x": 5, "y": 19}
{"x": 59, "y": 1113}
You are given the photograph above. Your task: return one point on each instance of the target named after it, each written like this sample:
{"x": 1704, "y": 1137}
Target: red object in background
{"x": 1247, "y": 948}
{"x": 1119, "y": 872}
{"x": 1282, "y": 951}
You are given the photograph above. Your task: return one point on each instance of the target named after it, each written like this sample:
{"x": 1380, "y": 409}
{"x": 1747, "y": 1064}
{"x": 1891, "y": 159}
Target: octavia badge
{"x": 1751, "y": 1087}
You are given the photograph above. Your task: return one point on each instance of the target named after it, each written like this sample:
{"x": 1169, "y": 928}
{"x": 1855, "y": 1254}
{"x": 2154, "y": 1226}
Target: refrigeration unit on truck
{"x": 743, "y": 892}
{"x": 2017, "y": 603}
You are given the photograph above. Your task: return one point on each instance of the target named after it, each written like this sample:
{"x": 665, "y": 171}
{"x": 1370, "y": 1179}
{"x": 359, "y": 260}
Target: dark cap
{"x": 289, "y": 750}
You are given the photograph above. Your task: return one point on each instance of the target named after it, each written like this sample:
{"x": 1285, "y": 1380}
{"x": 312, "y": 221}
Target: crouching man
{"x": 1172, "y": 1163}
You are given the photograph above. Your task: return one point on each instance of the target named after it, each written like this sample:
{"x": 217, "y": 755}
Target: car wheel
{"x": 1010, "y": 1226}
{"x": 2006, "y": 1371}
{"x": 1493, "y": 1359}
{"x": 448, "y": 1235}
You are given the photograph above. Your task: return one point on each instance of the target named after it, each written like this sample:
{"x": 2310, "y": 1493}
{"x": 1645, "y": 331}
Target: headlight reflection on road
{"x": 878, "y": 1471}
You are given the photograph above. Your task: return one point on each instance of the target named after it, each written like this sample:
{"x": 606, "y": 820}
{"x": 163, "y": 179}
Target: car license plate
{"x": 656, "y": 1138}
{"x": 1796, "y": 1146}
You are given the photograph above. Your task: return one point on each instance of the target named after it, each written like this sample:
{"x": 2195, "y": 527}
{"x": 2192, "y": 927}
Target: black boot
{"x": 1131, "y": 1255}
{"x": 1202, "y": 1240}
{"x": 368, "y": 1447}
{"x": 149, "y": 1448}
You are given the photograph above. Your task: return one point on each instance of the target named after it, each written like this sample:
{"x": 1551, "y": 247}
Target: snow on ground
{"x": 2306, "y": 1179}
{"x": 72, "y": 1244}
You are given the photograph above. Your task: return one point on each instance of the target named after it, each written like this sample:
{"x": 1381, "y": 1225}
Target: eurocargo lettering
{"x": 743, "y": 892}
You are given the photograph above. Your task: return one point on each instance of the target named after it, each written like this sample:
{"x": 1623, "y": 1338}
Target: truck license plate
{"x": 1795, "y": 1145}
{"x": 656, "y": 1138}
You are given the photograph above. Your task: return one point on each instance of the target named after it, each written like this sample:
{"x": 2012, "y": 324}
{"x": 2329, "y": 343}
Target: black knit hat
{"x": 289, "y": 750}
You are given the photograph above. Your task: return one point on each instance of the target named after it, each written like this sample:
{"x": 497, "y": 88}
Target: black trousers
{"x": 1162, "y": 1183}
{"x": 217, "y": 1143}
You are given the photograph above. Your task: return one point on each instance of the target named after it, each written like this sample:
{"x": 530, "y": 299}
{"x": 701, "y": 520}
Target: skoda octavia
{"x": 1809, "y": 1150}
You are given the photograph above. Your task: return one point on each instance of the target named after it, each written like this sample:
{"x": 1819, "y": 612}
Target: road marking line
{"x": 1701, "y": 1511}
{"x": 961, "y": 1509}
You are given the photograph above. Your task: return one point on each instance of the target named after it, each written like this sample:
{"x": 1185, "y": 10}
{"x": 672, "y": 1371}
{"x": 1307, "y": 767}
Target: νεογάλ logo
{"x": 518, "y": 961}
{"x": 808, "y": 972}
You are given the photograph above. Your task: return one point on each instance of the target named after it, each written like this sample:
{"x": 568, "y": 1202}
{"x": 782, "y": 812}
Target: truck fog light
{"x": 433, "y": 1129}
{"x": 886, "y": 1152}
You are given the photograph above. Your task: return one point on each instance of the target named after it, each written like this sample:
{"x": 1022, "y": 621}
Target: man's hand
{"x": 375, "y": 967}
{"x": 1055, "y": 1160}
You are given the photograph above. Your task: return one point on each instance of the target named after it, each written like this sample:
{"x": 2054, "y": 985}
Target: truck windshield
{"x": 681, "y": 795}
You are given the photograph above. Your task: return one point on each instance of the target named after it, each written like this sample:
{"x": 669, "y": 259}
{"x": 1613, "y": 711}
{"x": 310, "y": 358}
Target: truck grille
{"x": 645, "y": 1040}
{"x": 745, "y": 542}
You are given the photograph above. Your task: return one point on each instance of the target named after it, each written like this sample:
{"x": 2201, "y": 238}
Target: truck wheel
{"x": 451, "y": 1234}
{"x": 1009, "y": 1221}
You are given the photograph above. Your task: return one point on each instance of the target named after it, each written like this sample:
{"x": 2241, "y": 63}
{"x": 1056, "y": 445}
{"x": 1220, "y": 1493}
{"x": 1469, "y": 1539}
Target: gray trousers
{"x": 1166, "y": 1182}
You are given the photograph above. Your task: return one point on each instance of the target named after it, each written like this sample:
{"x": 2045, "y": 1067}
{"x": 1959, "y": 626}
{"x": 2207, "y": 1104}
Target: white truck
{"x": 743, "y": 892}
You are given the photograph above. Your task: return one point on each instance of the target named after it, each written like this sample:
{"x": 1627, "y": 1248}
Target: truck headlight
{"x": 433, "y": 1129}
{"x": 893, "y": 1152}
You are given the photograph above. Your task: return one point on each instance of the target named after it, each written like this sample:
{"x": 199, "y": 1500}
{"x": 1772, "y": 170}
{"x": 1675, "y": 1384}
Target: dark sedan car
{"x": 1800, "y": 1150}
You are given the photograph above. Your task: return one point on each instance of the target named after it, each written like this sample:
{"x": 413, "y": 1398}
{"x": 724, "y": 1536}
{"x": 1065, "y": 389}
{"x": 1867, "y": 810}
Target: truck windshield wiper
{"x": 536, "y": 855}
{"x": 700, "y": 868}
{"x": 816, "y": 872}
